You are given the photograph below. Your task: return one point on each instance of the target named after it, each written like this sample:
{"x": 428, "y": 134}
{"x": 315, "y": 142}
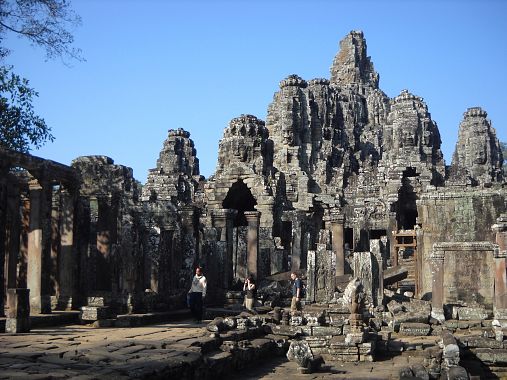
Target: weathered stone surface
{"x": 457, "y": 373}
{"x": 473, "y": 313}
{"x": 94, "y": 313}
{"x": 414, "y": 329}
{"x": 338, "y": 171}
{"x": 300, "y": 352}
{"x": 217, "y": 325}
{"x": 450, "y": 350}
{"x": 326, "y": 330}
{"x": 477, "y": 158}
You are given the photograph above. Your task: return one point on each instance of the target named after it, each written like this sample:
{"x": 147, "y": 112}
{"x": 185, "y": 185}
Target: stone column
{"x": 500, "y": 228}
{"x": 297, "y": 236}
{"x": 190, "y": 244}
{"x": 391, "y": 231}
{"x": 89, "y": 260}
{"x": 223, "y": 221}
{"x": 21, "y": 280}
{"x": 253, "y": 218}
{"x": 3, "y": 227}
{"x": 66, "y": 257}
{"x": 18, "y": 315}
{"x": 55, "y": 249}
{"x": 164, "y": 270}
{"x": 310, "y": 277}
{"x": 14, "y": 234}
{"x": 39, "y": 247}
{"x": 437, "y": 288}
{"x": 337, "y": 220}
{"x": 103, "y": 244}
{"x": 218, "y": 220}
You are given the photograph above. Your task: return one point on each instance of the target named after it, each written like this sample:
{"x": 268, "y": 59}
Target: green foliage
{"x": 45, "y": 23}
{"x": 20, "y": 127}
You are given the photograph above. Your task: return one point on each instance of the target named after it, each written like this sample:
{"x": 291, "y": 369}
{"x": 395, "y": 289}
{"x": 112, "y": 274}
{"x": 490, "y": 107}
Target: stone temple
{"x": 340, "y": 183}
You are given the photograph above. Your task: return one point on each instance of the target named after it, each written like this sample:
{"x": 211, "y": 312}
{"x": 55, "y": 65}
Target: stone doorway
{"x": 406, "y": 210}
{"x": 239, "y": 198}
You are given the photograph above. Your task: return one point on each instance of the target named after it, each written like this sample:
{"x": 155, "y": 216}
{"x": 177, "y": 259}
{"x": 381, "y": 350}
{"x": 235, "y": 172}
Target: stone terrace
{"x": 82, "y": 352}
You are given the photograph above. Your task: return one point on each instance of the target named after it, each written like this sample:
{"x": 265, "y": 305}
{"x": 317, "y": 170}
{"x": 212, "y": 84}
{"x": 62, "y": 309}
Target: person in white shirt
{"x": 197, "y": 293}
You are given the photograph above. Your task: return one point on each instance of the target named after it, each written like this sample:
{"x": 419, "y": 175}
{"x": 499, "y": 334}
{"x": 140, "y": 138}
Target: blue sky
{"x": 153, "y": 65}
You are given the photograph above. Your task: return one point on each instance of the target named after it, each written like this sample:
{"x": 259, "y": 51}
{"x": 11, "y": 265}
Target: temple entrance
{"x": 406, "y": 208}
{"x": 239, "y": 198}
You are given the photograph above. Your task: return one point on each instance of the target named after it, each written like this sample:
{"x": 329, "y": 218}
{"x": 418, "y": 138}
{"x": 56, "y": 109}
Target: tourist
{"x": 250, "y": 292}
{"x": 197, "y": 293}
{"x": 297, "y": 291}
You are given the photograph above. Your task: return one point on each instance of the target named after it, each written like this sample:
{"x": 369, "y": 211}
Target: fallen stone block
{"x": 415, "y": 329}
{"x": 92, "y": 313}
{"x": 457, "y": 373}
{"x": 217, "y": 325}
{"x": 473, "y": 313}
{"x": 420, "y": 372}
{"x": 219, "y": 365}
{"x": 475, "y": 341}
{"x": 326, "y": 330}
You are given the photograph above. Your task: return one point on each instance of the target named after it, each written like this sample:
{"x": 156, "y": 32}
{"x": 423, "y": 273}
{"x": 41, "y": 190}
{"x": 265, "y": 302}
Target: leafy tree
{"x": 19, "y": 125}
{"x": 46, "y": 24}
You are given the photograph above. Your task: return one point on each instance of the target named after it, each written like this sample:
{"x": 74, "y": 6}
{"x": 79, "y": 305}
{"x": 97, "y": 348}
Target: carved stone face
{"x": 408, "y": 138}
{"x": 288, "y": 136}
{"x": 480, "y": 157}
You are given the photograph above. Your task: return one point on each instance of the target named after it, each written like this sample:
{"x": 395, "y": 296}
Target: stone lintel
{"x": 337, "y": 217}
{"x": 293, "y": 216}
{"x": 464, "y": 246}
{"x": 436, "y": 254}
{"x": 253, "y": 217}
{"x": 462, "y": 193}
{"x": 500, "y": 225}
{"x": 499, "y": 254}
{"x": 221, "y": 215}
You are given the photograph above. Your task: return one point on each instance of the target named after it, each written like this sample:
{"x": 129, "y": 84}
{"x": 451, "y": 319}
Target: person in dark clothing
{"x": 297, "y": 292}
{"x": 250, "y": 292}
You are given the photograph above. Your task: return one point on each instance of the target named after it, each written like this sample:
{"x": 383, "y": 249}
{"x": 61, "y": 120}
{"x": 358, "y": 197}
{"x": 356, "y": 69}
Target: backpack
{"x": 302, "y": 292}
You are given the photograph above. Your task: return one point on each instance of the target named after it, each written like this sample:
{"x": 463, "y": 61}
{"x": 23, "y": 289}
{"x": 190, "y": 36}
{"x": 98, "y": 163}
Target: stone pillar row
{"x": 337, "y": 220}
{"x": 39, "y": 246}
{"x": 500, "y": 229}
{"x": 437, "y": 286}
{"x": 3, "y": 219}
{"x": 392, "y": 230}
{"x": 223, "y": 221}
{"x": 66, "y": 256}
{"x": 253, "y": 219}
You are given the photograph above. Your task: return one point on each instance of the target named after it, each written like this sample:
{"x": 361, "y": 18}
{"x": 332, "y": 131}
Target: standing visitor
{"x": 297, "y": 292}
{"x": 250, "y": 292}
{"x": 197, "y": 293}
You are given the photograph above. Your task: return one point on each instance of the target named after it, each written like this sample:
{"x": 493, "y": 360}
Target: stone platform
{"x": 64, "y": 318}
{"x": 158, "y": 351}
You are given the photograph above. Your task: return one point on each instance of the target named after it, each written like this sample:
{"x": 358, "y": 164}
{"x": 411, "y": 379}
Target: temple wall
{"x": 456, "y": 216}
